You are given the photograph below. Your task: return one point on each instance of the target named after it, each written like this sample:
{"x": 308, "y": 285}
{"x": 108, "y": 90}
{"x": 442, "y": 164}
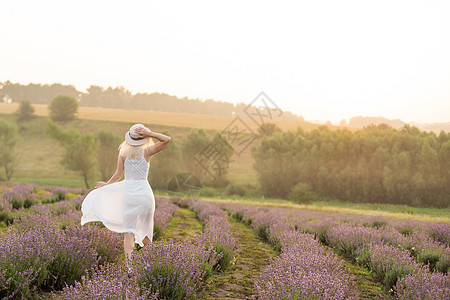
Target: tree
{"x": 302, "y": 193}
{"x": 221, "y": 158}
{"x": 343, "y": 123}
{"x": 80, "y": 150}
{"x": 444, "y": 156}
{"x": 191, "y": 150}
{"x": 267, "y": 129}
{"x": 8, "y": 140}
{"x": 25, "y": 111}
{"x": 277, "y": 173}
{"x": 107, "y": 152}
{"x": 63, "y": 108}
{"x": 165, "y": 165}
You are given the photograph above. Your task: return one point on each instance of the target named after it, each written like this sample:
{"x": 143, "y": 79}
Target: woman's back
{"x": 136, "y": 168}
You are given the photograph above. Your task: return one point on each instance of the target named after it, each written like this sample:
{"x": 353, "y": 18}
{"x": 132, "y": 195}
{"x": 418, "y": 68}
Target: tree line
{"x": 378, "y": 164}
{"x": 119, "y": 97}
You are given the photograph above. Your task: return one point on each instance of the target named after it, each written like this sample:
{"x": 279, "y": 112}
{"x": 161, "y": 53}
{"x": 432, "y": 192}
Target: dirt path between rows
{"x": 183, "y": 225}
{"x": 236, "y": 282}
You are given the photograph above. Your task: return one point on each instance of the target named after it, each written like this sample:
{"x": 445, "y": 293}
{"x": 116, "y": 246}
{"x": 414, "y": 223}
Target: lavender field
{"x": 208, "y": 250}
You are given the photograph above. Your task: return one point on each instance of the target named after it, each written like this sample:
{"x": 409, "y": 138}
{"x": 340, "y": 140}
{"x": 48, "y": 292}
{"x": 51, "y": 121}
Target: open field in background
{"x": 156, "y": 118}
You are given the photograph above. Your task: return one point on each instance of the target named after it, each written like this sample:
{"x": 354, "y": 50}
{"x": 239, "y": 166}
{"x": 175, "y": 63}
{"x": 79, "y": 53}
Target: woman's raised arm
{"x": 163, "y": 139}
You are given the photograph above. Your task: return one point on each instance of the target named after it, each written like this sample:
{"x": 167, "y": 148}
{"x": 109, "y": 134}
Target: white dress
{"x": 124, "y": 206}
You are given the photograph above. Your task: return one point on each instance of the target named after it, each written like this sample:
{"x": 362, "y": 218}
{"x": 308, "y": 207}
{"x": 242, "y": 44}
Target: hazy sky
{"x": 325, "y": 60}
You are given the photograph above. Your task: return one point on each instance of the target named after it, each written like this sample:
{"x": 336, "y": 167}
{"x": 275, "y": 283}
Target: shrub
{"x": 407, "y": 230}
{"x": 63, "y": 108}
{"x": 8, "y": 140}
{"x": 60, "y": 196}
{"x": 27, "y": 203}
{"x": 302, "y": 193}
{"x": 49, "y": 200}
{"x": 17, "y": 203}
{"x": 3, "y": 216}
{"x": 106, "y": 243}
{"x": 248, "y": 221}
{"x": 218, "y": 182}
{"x": 157, "y": 232}
{"x": 441, "y": 234}
{"x": 226, "y": 255}
{"x": 60, "y": 193}
{"x": 208, "y": 191}
{"x": 423, "y": 285}
{"x": 239, "y": 215}
{"x": 72, "y": 256}
{"x": 44, "y": 258}
{"x": 174, "y": 270}
{"x": 25, "y": 111}
{"x": 9, "y": 220}
{"x": 235, "y": 189}
{"x": 263, "y": 232}
{"x": 378, "y": 224}
{"x": 429, "y": 257}
{"x": 363, "y": 257}
{"x": 183, "y": 204}
{"x": 390, "y": 263}
{"x": 443, "y": 265}
{"x": 108, "y": 282}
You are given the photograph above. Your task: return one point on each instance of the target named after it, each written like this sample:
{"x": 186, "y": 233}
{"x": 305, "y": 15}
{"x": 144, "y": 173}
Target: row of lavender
{"x": 217, "y": 230}
{"x": 165, "y": 269}
{"x": 304, "y": 269}
{"x": 375, "y": 243}
{"x": 17, "y": 196}
{"x": 47, "y": 249}
{"x": 403, "y": 254}
{"x": 427, "y": 242}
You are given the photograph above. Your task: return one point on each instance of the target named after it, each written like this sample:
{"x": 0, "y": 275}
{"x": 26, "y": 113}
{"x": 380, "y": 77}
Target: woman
{"x": 128, "y": 206}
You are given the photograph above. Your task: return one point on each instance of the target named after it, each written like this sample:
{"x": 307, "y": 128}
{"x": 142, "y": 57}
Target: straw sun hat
{"x": 133, "y": 138}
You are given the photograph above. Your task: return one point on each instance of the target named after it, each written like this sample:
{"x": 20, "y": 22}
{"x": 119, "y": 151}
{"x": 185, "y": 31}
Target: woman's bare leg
{"x": 128, "y": 245}
{"x": 146, "y": 242}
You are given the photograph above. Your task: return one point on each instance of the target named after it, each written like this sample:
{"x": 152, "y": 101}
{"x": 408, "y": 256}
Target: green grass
{"x": 183, "y": 225}
{"x": 393, "y": 208}
{"x": 65, "y": 182}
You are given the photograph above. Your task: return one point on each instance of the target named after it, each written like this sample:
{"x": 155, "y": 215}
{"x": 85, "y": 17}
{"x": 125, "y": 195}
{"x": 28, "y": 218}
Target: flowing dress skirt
{"x": 124, "y": 206}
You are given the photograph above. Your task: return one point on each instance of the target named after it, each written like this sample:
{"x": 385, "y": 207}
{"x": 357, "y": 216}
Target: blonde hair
{"x": 133, "y": 152}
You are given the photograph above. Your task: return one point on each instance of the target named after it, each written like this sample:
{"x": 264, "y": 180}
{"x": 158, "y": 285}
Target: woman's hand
{"x": 143, "y": 132}
{"x": 100, "y": 184}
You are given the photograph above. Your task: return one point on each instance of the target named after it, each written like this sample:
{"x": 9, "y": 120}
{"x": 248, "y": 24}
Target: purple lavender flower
{"x": 423, "y": 285}
{"x": 110, "y": 281}
{"x": 173, "y": 270}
